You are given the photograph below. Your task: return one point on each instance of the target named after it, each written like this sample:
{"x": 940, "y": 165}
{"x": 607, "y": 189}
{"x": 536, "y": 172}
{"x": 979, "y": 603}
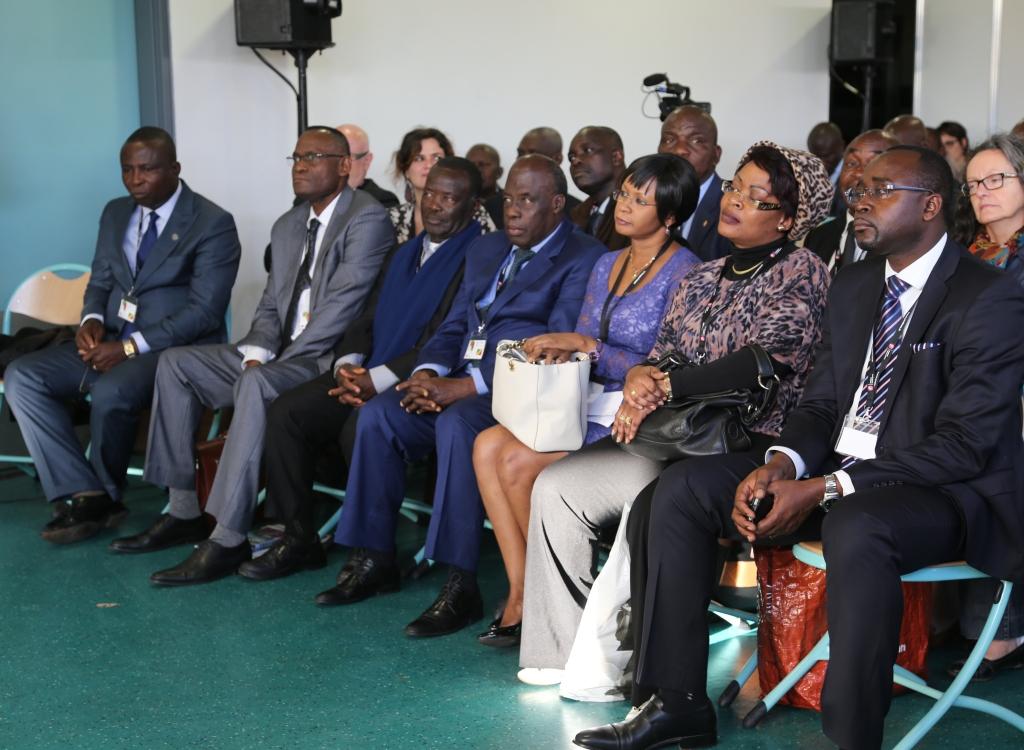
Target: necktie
{"x": 848, "y": 249}
{"x": 519, "y": 258}
{"x": 146, "y": 243}
{"x": 883, "y": 353}
{"x": 303, "y": 281}
{"x": 594, "y": 221}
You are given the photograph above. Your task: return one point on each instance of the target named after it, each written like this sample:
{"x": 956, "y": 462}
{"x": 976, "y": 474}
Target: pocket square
{"x": 924, "y": 346}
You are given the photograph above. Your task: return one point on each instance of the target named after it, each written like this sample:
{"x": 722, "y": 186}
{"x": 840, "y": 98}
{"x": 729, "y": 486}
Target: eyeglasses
{"x": 728, "y": 187}
{"x": 856, "y": 194}
{"x": 992, "y": 182}
{"x": 622, "y": 195}
{"x": 311, "y": 158}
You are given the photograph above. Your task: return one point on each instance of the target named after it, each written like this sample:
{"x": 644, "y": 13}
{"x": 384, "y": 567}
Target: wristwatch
{"x": 130, "y": 350}
{"x": 832, "y": 493}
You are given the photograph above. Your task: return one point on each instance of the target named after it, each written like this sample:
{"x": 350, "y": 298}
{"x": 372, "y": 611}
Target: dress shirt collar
{"x": 603, "y": 207}
{"x": 540, "y": 245}
{"x": 163, "y": 212}
{"x": 325, "y": 216}
{"x": 917, "y": 273}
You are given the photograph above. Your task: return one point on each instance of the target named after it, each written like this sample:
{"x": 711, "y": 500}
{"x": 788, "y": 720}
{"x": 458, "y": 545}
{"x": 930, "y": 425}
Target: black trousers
{"x": 301, "y": 424}
{"x": 870, "y": 539}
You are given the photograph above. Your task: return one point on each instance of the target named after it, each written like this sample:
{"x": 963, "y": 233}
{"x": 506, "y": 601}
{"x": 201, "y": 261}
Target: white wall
{"x": 956, "y": 69}
{"x": 483, "y": 71}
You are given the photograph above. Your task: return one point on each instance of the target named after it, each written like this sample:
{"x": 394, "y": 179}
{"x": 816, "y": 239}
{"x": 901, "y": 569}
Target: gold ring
{"x": 622, "y": 417}
{"x": 629, "y": 420}
{"x": 632, "y": 392}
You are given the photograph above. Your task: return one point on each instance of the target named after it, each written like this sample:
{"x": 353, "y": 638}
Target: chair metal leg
{"x": 733, "y": 688}
{"x": 816, "y": 654}
{"x": 952, "y": 695}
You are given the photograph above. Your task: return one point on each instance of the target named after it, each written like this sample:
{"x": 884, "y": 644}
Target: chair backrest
{"x": 50, "y": 297}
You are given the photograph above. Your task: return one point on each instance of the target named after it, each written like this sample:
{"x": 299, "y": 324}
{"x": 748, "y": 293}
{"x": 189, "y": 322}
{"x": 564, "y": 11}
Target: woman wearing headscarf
{"x": 766, "y": 291}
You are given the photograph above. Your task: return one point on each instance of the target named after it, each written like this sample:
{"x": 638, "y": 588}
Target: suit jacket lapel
{"x": 119, "y": 266}
{"x": 177, "y": 224}
{"x": 489, "y": 269}
{"x": 339, "y": 219}
{"x": 535, "y": 269}
{"x": 702, "y": 215}
{"x": 292, "y": 257}
{"x": 932, "y": 296}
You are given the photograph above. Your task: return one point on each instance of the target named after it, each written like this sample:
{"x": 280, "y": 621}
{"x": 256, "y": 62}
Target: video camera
{"x": 670, "y": 95}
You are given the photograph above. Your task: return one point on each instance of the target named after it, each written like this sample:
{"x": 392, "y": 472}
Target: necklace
{"x": 750, "y": 270}
{"x": 639, "y": 273}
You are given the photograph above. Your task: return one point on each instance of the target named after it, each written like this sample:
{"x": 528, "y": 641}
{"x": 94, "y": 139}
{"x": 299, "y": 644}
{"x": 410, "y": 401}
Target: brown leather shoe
{"x": 84, "y": 517}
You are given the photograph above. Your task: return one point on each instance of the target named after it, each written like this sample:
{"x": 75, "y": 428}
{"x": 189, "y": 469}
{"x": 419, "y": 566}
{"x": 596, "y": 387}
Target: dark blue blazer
{"x": 704, "y": 240}
{"x": 545, "y": 296}
{"x": 184, "y": 287}
{"x": 952, "y": 419}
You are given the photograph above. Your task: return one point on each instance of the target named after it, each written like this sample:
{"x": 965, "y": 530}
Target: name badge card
{"x": 128, "y": 308}
{"x": 475, "y": 350}
{"x": 858, "y": 438}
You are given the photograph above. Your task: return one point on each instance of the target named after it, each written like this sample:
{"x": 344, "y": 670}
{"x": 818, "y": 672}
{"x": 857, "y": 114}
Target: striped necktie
{"x": 884, "y": 344}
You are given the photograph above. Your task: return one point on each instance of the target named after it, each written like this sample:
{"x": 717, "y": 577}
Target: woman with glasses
{"x": 621, "y": 312}
{"x": 766, "y": 291}
{"x": 994, "y": 187}
{"x": 421, "y": 149}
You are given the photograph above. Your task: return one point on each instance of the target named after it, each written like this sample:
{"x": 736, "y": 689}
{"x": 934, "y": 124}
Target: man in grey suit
{"x": 326, "y": 254}
{"x": 162, "y": 273}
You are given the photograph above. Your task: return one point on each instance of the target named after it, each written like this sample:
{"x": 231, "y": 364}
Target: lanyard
{"x": 711, "y": 312}
{"x": 608, "y": 308}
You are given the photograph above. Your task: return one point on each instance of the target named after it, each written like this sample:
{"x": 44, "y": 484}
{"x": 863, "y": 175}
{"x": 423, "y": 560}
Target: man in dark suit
{"x": 911, "y": 413}
{"x": 691, "y": 133}
{"x": 488, "y": 161}
{"x": 410, "y": 300}
{"x": 546, "y": 142}
{"x": 162, "y": 273}
{"x": 596, "y": 164}
{"x": 362, "y": 158}
{"x": 518, "y": 283}
{"x": 834, "y": 240}
{"x": 327, "y": 252}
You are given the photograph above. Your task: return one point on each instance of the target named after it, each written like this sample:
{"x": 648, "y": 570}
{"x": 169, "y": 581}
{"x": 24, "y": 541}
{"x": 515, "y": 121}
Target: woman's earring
{"x": 781, "y": 228}
{"x": 667, "y": 230}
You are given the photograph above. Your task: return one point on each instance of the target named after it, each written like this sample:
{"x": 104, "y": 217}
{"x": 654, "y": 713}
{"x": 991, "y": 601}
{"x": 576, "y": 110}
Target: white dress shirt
{"x": 915, "y": 275}
{"x": 858, "y": 251}
{"x": 138, "y": 223}
{"x": 262, "y": 355}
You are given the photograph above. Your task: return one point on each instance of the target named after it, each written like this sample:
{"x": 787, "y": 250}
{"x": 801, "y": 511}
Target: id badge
{"x": 128, "y": 308}
{"x": 858, "y": 438}
{"x": 475, "y": 349}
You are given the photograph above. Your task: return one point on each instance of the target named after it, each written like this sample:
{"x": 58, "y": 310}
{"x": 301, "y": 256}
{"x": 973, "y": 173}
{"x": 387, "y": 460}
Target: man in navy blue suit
{"x": 691, "y": 133}
{"x": 518, "y": 283}
{"x": 162, "y": 274}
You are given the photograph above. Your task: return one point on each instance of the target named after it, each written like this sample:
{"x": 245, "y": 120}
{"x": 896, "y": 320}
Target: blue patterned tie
{"x": 146, "y": 243}
{"x": 884, "y": 342}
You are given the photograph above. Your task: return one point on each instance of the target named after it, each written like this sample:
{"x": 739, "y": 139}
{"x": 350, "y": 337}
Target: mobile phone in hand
{"x": 762, "y": 507}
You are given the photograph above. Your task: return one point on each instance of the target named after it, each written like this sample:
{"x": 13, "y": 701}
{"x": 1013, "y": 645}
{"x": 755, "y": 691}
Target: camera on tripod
{"x": 670, "y": 95}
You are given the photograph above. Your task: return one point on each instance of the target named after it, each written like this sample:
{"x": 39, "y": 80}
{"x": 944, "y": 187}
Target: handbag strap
{"x": 766, "y": 379}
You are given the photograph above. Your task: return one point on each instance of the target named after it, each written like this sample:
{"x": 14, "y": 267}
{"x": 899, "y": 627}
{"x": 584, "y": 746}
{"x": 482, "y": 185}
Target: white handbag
{"x": 544, "y": 406}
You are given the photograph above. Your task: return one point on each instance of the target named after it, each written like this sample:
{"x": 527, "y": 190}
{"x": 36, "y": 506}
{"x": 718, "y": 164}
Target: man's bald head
{"x": 534, "y": 199}
{"x": 908, "y": 130}
{"x": 692, "y": 134}
{"x": 488, "y": 161}
{"x": 544, "y": 141}
{"x": 826, "y": 142}
{"x": 362, "y": 157}
{"x": 862, "y": 150}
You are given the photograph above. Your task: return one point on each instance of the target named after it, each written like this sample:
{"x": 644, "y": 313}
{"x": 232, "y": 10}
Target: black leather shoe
{"x": 501, "y": 637}
{"x": 361, "y": 578}
{"x": 456, "y": 606}
{"x": 208, "y": 562}
{"x": 989, "y": 668}
{"x": 654, "y": 727}
{"x": 168, "y": 531}
{"x": 286, "y": 557}
{"x": 82, "y": 518}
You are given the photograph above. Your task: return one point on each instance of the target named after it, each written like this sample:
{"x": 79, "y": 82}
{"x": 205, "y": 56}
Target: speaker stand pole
{"x": 869, "y": 75}
{"x": 301, "y": 62}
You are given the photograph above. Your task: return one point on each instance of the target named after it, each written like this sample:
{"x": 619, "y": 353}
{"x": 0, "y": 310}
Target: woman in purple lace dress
{"x": 618, "y": 322}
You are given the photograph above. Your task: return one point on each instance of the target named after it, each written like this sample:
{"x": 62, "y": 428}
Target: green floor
{"x": 95, "y": 657}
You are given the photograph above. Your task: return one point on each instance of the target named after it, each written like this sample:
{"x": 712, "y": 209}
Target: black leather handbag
{"x": 705, "y": 424}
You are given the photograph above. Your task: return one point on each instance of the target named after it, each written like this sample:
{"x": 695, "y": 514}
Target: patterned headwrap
{"x": 814, "y": 187}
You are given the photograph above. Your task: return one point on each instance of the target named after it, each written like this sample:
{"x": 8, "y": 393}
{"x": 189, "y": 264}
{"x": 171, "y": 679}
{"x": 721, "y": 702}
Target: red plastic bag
{"x": 791, "y": 599}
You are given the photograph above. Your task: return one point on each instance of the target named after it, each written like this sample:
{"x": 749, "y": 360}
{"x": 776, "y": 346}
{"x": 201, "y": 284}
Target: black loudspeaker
{"x": 285, "y": 24}
{"x": 863, "y": 31}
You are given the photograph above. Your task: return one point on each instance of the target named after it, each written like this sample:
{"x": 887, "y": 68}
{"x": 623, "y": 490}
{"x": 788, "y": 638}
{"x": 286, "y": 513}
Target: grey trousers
{"x": 572, "y": 500}
{"x": 193, "y": 377}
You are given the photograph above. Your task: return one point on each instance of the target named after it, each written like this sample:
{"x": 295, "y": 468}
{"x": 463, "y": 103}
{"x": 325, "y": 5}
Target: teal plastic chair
{"x": 810, "y": 553}
{"x": 51, "y": 295}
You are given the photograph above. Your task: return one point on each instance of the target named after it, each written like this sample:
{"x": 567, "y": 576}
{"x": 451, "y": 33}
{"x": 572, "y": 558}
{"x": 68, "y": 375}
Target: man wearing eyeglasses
{"x": 834, "y": 240}
{"x": 362, "y": 158}
{"x": 326, "y": 254}
{"x": 904, "y": 452}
